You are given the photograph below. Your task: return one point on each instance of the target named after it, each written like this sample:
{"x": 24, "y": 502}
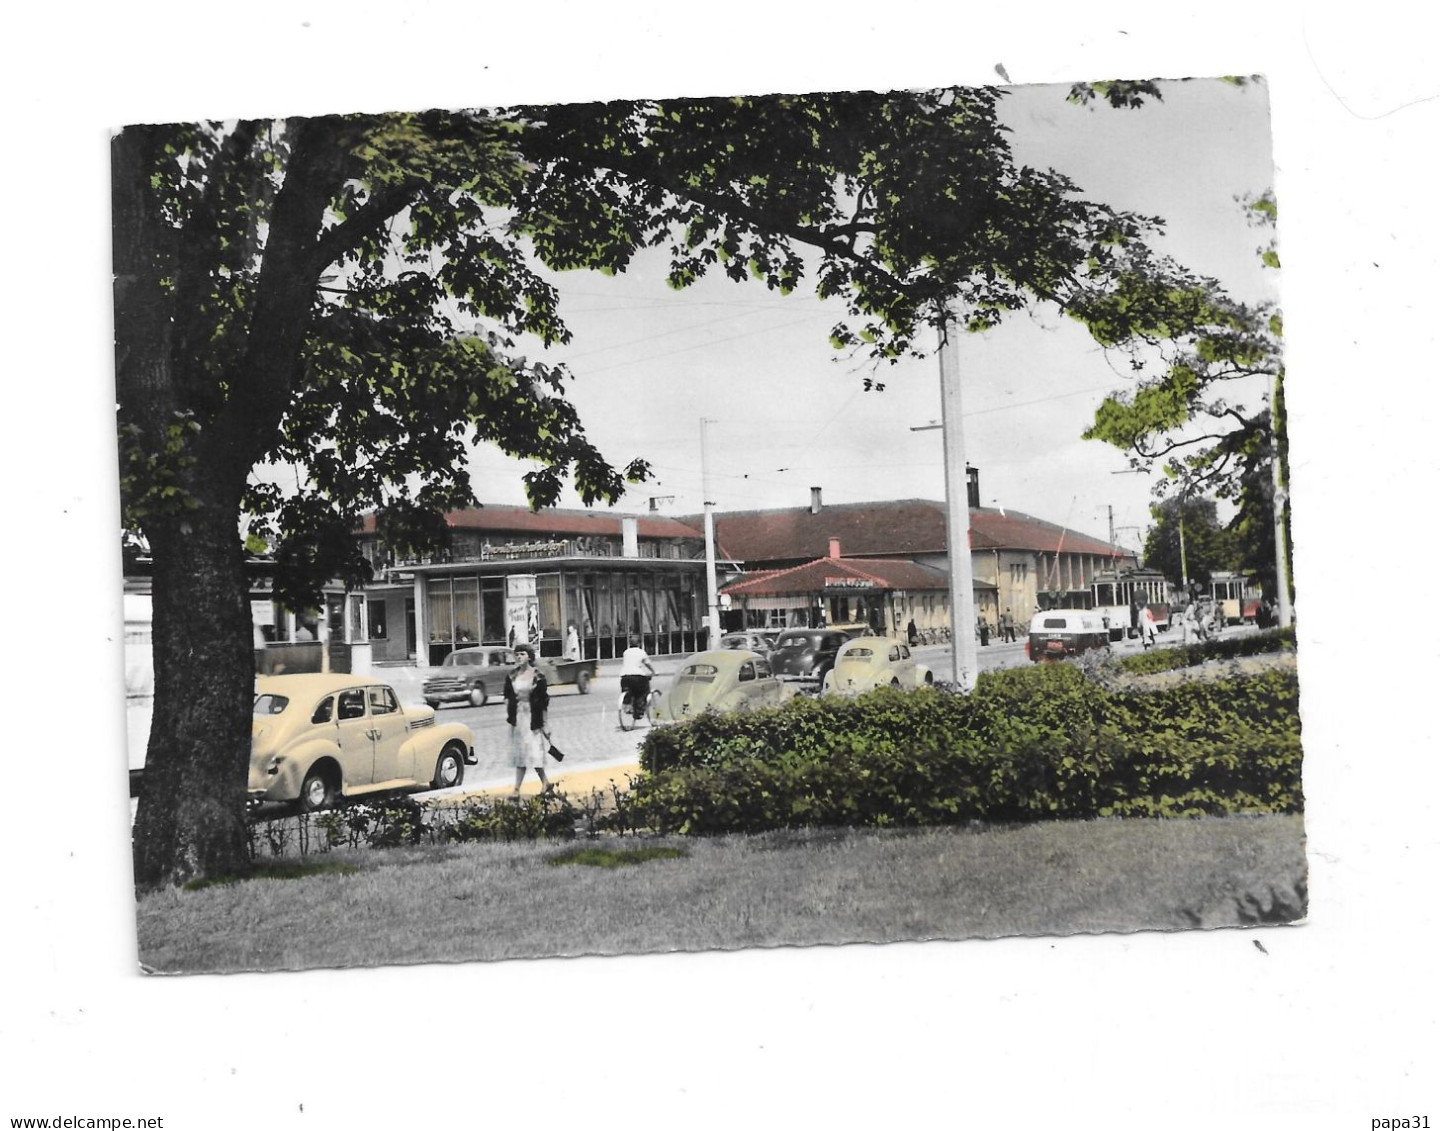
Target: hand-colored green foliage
{"x": 1043, "y": 743}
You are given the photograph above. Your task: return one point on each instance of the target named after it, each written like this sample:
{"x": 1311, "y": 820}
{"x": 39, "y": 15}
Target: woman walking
{"x": 527, "y": 709}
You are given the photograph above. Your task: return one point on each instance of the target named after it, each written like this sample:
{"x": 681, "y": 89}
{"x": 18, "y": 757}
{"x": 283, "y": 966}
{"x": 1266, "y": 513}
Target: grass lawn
{"x": 489, "y": 901}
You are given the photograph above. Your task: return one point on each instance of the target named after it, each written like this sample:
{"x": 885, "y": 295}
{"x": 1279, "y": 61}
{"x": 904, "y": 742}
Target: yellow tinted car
{"x": 723, "y": 680}
{"x": 868, "y": 662}
{"x": 317, "y": 738}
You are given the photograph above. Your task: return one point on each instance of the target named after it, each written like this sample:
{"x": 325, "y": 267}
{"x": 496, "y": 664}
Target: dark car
{"x": 752, "y": 640}
{"x": 806, "y": 653}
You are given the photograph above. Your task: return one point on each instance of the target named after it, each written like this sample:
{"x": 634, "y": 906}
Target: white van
{"x": 1065, "y": 632}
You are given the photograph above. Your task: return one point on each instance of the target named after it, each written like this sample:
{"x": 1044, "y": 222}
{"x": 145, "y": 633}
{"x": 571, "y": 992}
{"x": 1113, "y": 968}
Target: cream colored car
{"x": 868, "y": 662}
{"x": 722, "y": 680}
{"x": 317, "y": 738}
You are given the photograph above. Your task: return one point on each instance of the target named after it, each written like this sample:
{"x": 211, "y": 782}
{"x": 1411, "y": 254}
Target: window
{"x": 762, "y": 669}
{"x": 270, "y": 704}
{"x": 894, "y": 653}
{"x": 352, "y": 704}
{"x": 382, "y": 701}
{"x": 904, "y": 652}
{"x": 747, "y": 671}
{"x": 324, "y": 711}
{"x": 1019, "y": 573}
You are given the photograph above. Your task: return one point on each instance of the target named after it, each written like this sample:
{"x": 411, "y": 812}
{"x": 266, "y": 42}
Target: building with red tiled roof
{"x": 1019, "y": 562}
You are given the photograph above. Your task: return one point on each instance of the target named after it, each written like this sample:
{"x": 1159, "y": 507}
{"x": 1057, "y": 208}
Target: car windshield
{"x": 268, "y": 704}
{"x": 733, "y": 642}
{"x": 1055, "y": 622}
{"x": 859, "y": 655}
{"x": 701, "y": 673}
{"x": 464, "y": 659}
{"x": 791, "y": 642}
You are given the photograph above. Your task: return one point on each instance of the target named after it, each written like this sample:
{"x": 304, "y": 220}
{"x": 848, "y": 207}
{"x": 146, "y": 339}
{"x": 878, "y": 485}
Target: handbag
{"x": 557, "y": 753}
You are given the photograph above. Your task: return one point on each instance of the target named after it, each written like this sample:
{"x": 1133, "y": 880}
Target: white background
{"x": 1332, "y": 1028}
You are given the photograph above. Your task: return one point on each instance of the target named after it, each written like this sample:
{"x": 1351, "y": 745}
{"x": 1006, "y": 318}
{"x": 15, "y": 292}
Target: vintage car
{"x": 723, "y": 680}
{"x": 317, "y": 738}
{"x": 751, "y": 640}
{"x": 868, "y": 662}
{"x": 1065, "y": 632}
{"x": 806, "y": 653}
{"x": 476, "y": 675}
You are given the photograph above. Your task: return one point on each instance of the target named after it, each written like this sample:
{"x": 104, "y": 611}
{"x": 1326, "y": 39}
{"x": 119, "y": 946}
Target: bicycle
{"x": 626, "y": 708}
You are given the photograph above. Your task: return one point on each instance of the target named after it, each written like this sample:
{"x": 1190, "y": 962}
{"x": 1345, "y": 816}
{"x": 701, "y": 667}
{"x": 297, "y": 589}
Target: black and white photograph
{"x": 624, "y": 572}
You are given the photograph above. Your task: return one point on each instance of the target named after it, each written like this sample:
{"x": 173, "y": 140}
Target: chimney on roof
{"x": 834, "y": 547}
{"x": 815, "y": 503}
{"x": 972, "y": 486}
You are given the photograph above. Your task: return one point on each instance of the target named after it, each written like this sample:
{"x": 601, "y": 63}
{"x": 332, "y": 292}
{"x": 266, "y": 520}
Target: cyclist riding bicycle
{"x": 635, "y": 672}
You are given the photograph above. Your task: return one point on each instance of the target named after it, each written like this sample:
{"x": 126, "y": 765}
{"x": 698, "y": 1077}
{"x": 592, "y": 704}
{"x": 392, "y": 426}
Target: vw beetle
{"x": 722, "y": 680}
{"x": 868, "y": 662}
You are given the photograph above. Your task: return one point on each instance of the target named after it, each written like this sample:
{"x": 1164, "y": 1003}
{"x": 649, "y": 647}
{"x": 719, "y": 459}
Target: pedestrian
{"x": 527, "y": 710}
{"x": 1147, "y": 626}
{"x": 912, "y": 633}
{"x": 572, "y": 642}
{"x": 982, "y": 626}
{"x": 1007, "y": 627}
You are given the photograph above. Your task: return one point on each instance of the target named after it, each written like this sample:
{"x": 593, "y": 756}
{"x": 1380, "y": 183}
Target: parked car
{"x": 1065, "y": 632}
{"x": 726, "y": 679}
{"x": 752, "y": 640}
{"x": 806, "y": 653}
{"x": 867, "y": 662}
{"x": 475, "y": 675}
{"x": 317, "y": 738}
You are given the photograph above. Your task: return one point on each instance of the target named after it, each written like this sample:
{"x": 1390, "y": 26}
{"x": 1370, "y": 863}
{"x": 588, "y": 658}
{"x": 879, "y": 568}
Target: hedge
{"x": 1029, "y": 744}
{"x": 1190, "y": 655}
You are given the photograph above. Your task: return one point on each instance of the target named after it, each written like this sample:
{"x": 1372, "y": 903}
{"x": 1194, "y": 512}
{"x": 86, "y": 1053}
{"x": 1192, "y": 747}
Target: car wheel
{"x": 479, "y": 696}
{"x": 895, "y": 681}
{"x": 582, "y": 681}
{"x": 316, "y": 792}
{"x": 627, "y": 717}
{"x": 449, "y": 768}
{"x": 929, "y": 678}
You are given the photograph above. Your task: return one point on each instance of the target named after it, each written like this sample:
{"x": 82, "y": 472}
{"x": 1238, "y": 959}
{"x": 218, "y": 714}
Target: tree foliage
{"x": 1208, "y": 546}
{"x": 1188, "y": 346}
{"x": 346, "y": 296}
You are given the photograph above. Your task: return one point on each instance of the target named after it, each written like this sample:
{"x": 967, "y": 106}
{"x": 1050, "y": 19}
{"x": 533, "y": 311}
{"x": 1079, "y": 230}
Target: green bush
{"x": 1029, "y": 744}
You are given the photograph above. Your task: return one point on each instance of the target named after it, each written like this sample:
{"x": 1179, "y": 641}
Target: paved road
{"x": 587, "y": 727}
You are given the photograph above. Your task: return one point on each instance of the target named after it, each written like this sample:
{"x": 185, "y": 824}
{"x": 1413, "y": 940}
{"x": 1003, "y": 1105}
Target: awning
{"x": 764, "y": 603}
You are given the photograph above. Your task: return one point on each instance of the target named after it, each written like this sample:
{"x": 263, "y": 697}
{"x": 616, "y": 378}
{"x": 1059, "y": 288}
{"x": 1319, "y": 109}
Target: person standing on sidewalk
{"x": 527, "y": 710}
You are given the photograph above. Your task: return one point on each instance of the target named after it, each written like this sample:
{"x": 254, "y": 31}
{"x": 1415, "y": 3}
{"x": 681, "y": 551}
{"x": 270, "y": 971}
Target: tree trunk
{"x": 191, "y": 819}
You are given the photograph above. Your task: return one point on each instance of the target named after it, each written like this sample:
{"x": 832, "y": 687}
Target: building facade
{"x": 1020, "y": 563}
{"x": 512, "y": 574}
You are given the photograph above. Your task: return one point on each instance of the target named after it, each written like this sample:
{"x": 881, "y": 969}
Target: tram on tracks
{"x": 1120, "y": 595}
{"x": 1236, "y": 596}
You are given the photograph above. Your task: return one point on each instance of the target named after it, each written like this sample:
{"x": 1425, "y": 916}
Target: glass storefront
{"x": 661, "y": 607}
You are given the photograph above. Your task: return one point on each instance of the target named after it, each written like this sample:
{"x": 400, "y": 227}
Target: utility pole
{"x": 1284, "y": 612}
{"x": 712, "y": 595}
{"x": 957, "y": 512}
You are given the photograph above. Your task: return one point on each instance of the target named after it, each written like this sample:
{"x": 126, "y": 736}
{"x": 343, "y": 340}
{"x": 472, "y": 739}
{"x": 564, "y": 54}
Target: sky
{"x": 1329, "y": 1025}
{"x": 789, "y": 413}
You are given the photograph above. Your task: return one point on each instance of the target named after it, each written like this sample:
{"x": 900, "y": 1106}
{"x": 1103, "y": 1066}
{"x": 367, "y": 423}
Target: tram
{"x": 1236, "y": 596}
{"x": 1117, "y": 594}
